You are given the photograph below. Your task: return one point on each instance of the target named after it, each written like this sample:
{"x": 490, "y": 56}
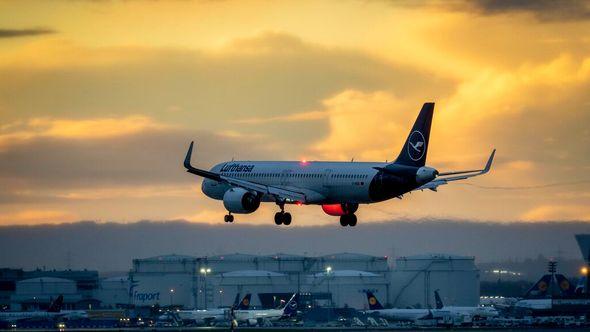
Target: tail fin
{"x": 373, "y": 302}
{"x": 245, "y": 303}
{"x": 439, "y": 302}
{"x": 540, "y": 288}
{"x": 414, "y": 150}
{"x": 564, "y": 285}
{"x": 290, "y": 309}
{"x": 56, "y": 305}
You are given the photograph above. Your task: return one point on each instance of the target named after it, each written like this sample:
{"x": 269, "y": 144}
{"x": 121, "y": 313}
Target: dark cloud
{"x": 112, "y": 246}
{"x": 546, "y": 10}
{"x": 13, "y": 33}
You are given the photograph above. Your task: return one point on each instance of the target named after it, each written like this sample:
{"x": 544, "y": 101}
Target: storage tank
{"x": 113, "y": 292}
{"x": 415, "y": 278}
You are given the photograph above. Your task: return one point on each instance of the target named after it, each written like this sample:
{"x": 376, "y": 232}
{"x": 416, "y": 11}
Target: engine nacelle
{"x": 426, "y": 174}
{"x": 238, "y": 200}
{"x": 340, "y": 209}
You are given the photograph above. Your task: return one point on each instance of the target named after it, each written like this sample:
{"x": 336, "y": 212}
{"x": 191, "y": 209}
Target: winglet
{"x": 489, "y": 163}
{"x": 187, "y": 159}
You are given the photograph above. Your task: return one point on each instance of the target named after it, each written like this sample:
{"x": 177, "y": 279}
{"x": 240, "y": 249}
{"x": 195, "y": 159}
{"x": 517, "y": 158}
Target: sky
{"x": 100, "y": 99}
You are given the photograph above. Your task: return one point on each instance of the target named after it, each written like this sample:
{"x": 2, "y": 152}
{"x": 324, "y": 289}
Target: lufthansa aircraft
{"x": 339, "y": 187}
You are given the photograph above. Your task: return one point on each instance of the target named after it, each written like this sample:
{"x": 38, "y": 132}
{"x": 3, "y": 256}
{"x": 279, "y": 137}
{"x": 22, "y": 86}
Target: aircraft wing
{"x": 446, "y": 177}
{"x": 281, "y": 193}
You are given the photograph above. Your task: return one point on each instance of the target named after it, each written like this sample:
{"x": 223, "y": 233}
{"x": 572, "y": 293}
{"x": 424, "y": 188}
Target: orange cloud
{"x": 563, "y": 211}
{"x": 27, "y": 217}
{"x": 98, "y": 128}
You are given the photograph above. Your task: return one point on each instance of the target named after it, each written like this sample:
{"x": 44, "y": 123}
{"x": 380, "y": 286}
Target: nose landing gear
{"x": 348, "y": 220}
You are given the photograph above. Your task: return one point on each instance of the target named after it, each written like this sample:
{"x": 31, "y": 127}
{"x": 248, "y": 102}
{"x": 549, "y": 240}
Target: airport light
{"x": 204, "y": 271}
{"x": 584, "y": 271}
{"x": 328, "y": 270}
{"x": 171, "y": 296}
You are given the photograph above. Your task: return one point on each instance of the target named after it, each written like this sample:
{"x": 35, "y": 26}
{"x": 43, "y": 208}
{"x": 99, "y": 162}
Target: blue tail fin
{"x": 290, "y": 309}
{"x": 414, "y": 150}
{"x": 56, "y": 305}
{"x": 245, "y": 303}
{"x": 540, "y": 288}
{"x": 564, "y": 285}
{"x": 439, "y": 302}
{"x": 373, "y": 302}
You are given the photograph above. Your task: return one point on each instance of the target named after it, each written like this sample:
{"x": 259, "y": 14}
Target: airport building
{"x": 337, "y": 280}
{"x": 333, "y": 280}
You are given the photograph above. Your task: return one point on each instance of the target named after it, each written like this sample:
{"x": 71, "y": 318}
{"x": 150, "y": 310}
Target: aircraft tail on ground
{"x": 290, "y": 309}
{"x": 245, "y": 303}
{"x": 564, "y": 285}
{"x": 540, "y": 288}
{"x": 373, "y": 302}
{"x": 439, "y": 302}
{"x": 414, "y": 150}
{"x": 56, "y": 305}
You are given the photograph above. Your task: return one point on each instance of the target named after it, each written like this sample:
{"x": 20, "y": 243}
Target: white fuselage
{"x": 267, "y": 314}
{"x": 409, "y": 315}
{"x": 480, "y": 311}
{"x": 322, "y": 182}
{"x": 12, "y": 316}
{"x": 204, "y": 316}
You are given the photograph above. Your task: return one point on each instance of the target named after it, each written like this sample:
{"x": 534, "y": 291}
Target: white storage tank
{"x": 415, "y": 278}
{"x": 113, "y": 292}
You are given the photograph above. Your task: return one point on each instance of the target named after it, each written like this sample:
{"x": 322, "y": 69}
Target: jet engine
{"x": 340, "y": 209}
{"x": 426, "y": 174}
{"x": 238, "y": 200}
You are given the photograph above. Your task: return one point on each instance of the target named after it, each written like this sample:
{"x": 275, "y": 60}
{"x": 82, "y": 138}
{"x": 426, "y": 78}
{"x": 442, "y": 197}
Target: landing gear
{"x": 283, "y": 218}
{"x": 228, "y": 218}
{"x": 348, "y": 220}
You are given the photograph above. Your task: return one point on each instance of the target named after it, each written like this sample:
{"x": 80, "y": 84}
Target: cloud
{"x": 14, "y": 33}
{"x": 97, "y": 128}
{"x": 36, "y": 216}
{"x": 545, "y": 10}
{"x": 557, "y": 211}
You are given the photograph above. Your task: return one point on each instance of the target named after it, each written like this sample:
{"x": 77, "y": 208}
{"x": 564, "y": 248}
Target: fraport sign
{"x": 143, "y": 297}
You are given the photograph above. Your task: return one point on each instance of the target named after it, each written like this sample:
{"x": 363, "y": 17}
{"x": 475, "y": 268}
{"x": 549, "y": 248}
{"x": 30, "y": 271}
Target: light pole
{"x": 204, "y": 271}
{"x": 328, "y": 273}
{"x": 171, "y": 296}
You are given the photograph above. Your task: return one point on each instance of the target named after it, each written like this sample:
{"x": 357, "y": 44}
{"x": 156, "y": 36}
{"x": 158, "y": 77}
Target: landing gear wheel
{"x": 287, "y": 219}
{"x": 228, "y": 218}
{"x": 344, "y": 220}
{"x": 352, "y": 220}
{"x": 348, "y": 220}
{"x": 279, "y": 218}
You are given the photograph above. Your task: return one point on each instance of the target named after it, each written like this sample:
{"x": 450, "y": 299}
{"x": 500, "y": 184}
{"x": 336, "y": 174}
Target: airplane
{"x": 53, "y": 312}
{"x": 475, "y": 312}
{"x": 339, "y": 187}
{"x": 409, "y": 315}
{"x": 214, "y": 315}
{"x": 252, "y": 317}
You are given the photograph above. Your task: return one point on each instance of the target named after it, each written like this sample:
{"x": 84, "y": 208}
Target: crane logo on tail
{"x": 416, "y": 146}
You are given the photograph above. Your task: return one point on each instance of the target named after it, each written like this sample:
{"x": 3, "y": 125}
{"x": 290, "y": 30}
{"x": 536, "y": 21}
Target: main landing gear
{"x": 348, "y": 220}
{"x": 282, "y": 217}
{"x": 228, "y": 217}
